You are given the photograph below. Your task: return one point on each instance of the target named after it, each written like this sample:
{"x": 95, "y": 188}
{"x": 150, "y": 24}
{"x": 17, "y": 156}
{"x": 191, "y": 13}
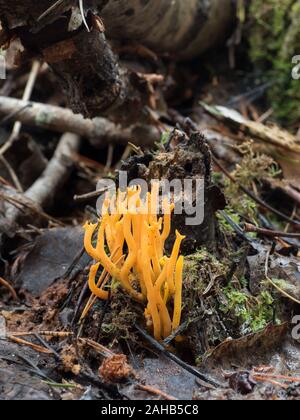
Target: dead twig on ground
{"x": 42, "y": 193}
{"x": 26, "y": 96}
{"x": 158, "y": 346}
{"x": 100, "y": 131}
{"x": 155, "y": 391}
{"x": 10, "y": 288}
{"x": 35, "y": 347}
{"x": 91, "y": 195}
{"x": 21, "y": 203}
{"x": 16, "y": 337}
{"x": 12, "y": 173}
{"x": 253, "y": 196}
{"x": 270, "y": 233}
{"x": 57, "y": 172}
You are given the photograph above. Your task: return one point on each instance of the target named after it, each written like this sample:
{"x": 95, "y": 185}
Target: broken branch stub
{"x": 84, "y": 62}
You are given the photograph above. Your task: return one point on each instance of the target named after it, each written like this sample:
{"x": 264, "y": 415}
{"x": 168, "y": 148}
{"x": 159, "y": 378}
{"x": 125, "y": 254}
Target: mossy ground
{"x": 274, "y": 39}
{"x": 217, "y": 302}
{"x": 251, "y": 172}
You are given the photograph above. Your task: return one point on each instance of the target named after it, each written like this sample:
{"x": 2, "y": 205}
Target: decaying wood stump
{"x": 190, "y": 159}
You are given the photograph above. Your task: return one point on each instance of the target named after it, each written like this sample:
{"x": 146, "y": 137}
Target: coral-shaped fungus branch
{"x": 130, "y": 242}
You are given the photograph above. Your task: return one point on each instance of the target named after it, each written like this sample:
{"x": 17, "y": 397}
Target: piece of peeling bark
{"x": 89, "y": 74}
{"x": 100, "y": 131}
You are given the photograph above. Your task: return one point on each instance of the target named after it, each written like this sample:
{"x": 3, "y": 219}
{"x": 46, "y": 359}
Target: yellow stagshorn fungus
{"x": 135, "y": 238}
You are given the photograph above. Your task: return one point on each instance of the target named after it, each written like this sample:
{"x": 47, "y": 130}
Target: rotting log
{"x": 89, "y": 71}
{"x": 184, "y": 27}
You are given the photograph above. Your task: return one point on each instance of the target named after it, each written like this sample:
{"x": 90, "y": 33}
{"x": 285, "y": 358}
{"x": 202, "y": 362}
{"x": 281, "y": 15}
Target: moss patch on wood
{"x": 274, "y": 40}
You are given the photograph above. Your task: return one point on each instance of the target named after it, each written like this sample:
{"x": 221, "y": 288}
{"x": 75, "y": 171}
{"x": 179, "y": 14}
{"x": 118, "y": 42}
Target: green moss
{"x": 221, "y": 310}
{"x": 197, "y": 269}
{"x": 251, "y": 314}
{"x": 287, "y": 287}
{"x": 274, "y": 40}
{"x": 118, "y": 323}
{"x": 225, "y": 227}
{"x": 165, "y": 138}
{"x": 252, "y": 169}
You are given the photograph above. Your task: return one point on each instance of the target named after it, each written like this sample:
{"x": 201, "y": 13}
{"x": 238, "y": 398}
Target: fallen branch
{"x": 43, "y": 191}
{"x": 22, "y": 204}
{"x": 100, "y": 131}
{"x": 186, "y": 27}
{"x": 10, "y": 288}
{"x": 88, "y": 70}
{"x": 155, "y": 391}
{"x": 25, "y": 343}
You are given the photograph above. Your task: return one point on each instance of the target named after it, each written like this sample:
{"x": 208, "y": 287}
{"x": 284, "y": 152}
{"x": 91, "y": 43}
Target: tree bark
{"x": 185, "y": 27}
{"x": 84, "y": 62}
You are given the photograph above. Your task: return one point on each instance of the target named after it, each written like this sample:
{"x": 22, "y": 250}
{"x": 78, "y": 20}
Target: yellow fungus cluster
{"x": 129, "y": 245}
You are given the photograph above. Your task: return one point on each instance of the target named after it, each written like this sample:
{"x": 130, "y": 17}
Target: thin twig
{"x": 35, "y": 347}
{"x": 50, "y": 334}
{"x": 253, "y": 196}
{"x": 56, "y": 334}
{"x": 158, "y": 346}
{"x": 26, "y": 96}
{"x": 124, "y": 157}
{"x": 285, "y": 294}
{"x": 74, "y": 263}
{"x": 155, "y": 391}
{"x": 91, "y": 195}
{"x": 138, "y": 150}
{"x": 47, "y": 12}
{"x": 12, "y": 173}
{"x": 19, "y": 204}
{"x": 270, "y": 233}
{"x": 10, "y": 288}
{"x": 44, "y": 343}
{"x": 110, "y": 156}
{"x": 260, "y": 378}
{"x": 235, "y": 226}
{"x": 274, "y": 376}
